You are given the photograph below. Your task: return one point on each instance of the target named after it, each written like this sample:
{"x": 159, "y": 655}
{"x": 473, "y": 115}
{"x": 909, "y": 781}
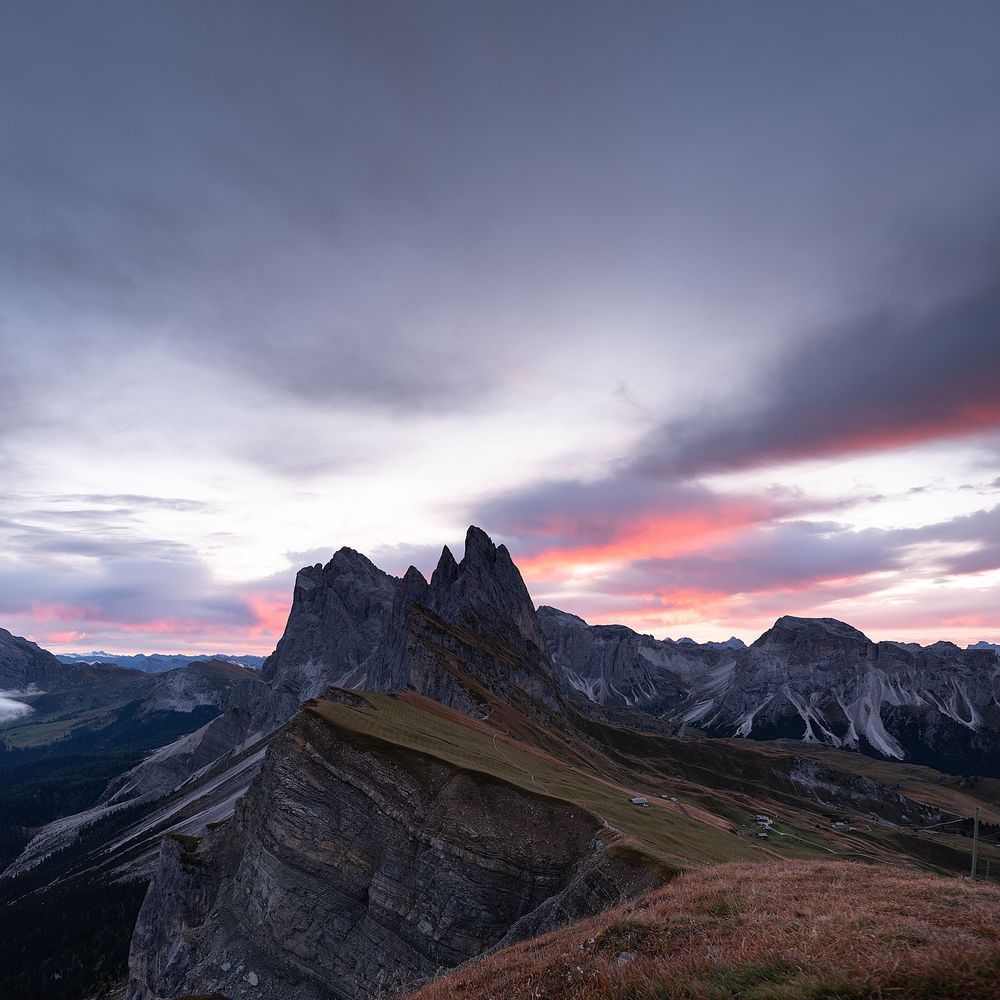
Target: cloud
{"x": 93, "y": 577}
{"x": 786, "y": 555}
{"x": 886, "y": 379}
{"x": 807, "y": 568}
{"x": 554, "y": 526}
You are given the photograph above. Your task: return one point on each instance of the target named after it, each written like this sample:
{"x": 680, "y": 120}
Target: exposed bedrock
{"x": 812, "y": 679}
{"x": 354, "y": 866}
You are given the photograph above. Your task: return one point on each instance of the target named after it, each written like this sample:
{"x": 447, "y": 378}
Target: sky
{"x": 693, "y": 305}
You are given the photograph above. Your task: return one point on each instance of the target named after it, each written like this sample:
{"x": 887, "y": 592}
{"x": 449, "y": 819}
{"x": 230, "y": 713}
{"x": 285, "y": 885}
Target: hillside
{"x": 87, "y": 725}
{"x": 388, "y": 836}
{"x": 794, "y": 930}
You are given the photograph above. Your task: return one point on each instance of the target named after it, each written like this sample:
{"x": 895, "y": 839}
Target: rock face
{"x": 471, "y": 629}
{"x": 339, "y": 615}
{"x": 25, "y": 665}
{"x": 474, "y": 622}
{"x": 351, "y": 869}
{"x": 612, "y": 665}
{"x": 818, "y": 680}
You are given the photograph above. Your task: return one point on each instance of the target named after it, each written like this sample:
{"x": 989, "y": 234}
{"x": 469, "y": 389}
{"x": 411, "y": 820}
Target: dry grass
{"x": 784, "y": 931}
{"x": 672, "y": 837}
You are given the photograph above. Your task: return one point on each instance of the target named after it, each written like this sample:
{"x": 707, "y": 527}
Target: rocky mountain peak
{"x": 473, "y": 625}
{"x": 446, "y": 572}
{"x": 339, "y": 614}
{"x": 487, "y": 590}
{"x": 563, "y": 618}
{"x": 789, "y": 630}
{"x": 23, "y": 663}
{"x": 413, "y": 587}
{"x": 943, "y": 648}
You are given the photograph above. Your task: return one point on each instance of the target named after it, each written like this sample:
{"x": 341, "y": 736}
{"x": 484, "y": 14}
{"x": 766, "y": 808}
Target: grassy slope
{"x": 674, "y": 835}
{"x": 720, "y": 786}
{"x": 944, "y": 791}
{"x": 790, "y": 930}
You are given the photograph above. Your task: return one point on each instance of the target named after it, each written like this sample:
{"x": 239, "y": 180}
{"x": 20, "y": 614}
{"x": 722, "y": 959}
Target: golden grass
{"x": 784, "y": 931}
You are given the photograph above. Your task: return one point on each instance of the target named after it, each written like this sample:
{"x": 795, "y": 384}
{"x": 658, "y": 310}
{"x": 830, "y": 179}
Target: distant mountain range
{"x": 812, "y": 679}
{"x": 154, "y": 663}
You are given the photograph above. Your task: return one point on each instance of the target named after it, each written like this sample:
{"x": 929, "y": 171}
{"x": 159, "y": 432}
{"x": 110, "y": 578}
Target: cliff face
{"x": 353, "y": 866}
{"x": 471, "y": 629}
{"x": 614, "y": 666}
{"x": 339, "y": 615}
{"x": 23, "y": 664}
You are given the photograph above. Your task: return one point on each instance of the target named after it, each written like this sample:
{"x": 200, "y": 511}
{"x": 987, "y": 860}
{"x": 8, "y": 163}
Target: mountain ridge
{"x": 378, "y": 677}
{"x": 817, "y": 679}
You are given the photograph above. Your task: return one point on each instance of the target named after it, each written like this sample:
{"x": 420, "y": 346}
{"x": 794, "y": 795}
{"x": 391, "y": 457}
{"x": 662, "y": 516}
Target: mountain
{"x": 985, "y": 645}
{"x": 80, "y": 726}
{"x": 459, "y": 799}
{"x": 157, "y": 662}
{"x": 415, "y": 778}
{"x": 339, "y": 615}
{"x": 25, "y": 665}
{"x": 817, "y": 680}
{"x": 82, "y": 708}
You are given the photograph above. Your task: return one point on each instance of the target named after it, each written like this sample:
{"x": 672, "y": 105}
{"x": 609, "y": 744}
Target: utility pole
{"x": 975, "y": 843}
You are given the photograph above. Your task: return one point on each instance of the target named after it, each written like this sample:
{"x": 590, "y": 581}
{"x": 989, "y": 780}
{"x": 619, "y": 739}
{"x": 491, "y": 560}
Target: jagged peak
{"x": 446, "y": 572}
{"x": 479, "y": 548}
{"x": 485, "y": 586}
{"x": 413, "y": 587}
{"x": 346, "y": 558}
{"x": 345, "y": 562}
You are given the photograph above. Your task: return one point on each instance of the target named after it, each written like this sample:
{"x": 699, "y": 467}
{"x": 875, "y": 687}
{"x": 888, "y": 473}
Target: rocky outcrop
{"x": 818, "y": 680}
{"x": 338, "y": 617}
{"x": 472, "y": 629}
{"x": 25, "y": 665}
{"x": 615, "y": 666}
{"x": 354, "y": 867}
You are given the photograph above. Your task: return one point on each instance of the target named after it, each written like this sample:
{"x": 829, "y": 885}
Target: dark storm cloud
{"x": 923, "y": 369}
{"x": 379, "y": 204}
{"x": 210, "y": 194}
{"x": 908, "y": 373}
